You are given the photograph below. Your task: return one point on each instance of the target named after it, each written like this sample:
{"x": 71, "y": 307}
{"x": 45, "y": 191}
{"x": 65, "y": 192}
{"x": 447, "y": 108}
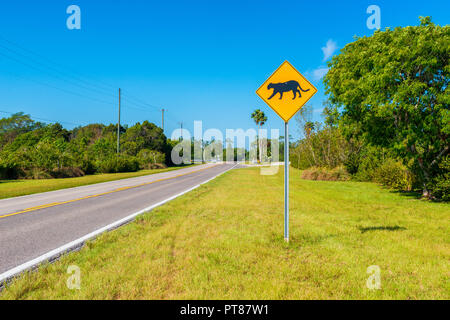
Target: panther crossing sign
{"x": 286, "y": 92}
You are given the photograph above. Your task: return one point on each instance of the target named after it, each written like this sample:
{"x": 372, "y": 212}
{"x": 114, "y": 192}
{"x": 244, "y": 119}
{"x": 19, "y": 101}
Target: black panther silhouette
{"x": 286, "y": 87}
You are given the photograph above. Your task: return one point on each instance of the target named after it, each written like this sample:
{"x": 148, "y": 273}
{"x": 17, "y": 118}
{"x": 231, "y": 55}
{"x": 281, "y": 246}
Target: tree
{"x": 15, "y": 125}
{"x": 309, "y": 127}
{"x": 260, "y": 119}
{"x": 143, "y": 136}
{"x": 392, "y": 88}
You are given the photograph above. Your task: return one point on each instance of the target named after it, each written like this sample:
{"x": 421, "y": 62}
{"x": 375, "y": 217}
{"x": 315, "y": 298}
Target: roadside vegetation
{"x": 33, "y": 150}
{"x": 218, "y": 242}
{"x": 387, "y": 119}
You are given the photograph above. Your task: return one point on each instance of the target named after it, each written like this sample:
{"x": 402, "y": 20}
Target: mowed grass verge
{"x": 224, "y": 240}
{"x": 16, "y": 188}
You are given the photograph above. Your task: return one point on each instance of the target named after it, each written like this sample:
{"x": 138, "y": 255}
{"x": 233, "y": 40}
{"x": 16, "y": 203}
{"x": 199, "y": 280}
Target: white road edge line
{"x": 52, "y": 255}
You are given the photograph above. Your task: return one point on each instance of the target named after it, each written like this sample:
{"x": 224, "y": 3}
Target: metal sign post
{"x": 286, "y": 181}
{"x": 286, "y": 91}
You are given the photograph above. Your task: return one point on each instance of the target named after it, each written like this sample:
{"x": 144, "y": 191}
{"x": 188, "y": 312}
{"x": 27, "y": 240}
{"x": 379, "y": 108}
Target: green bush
{"x": 116, "y": 164}
{"x": 321, "y": 148}
{"x": 441, "y": 185}
{"x": 9, "y": 171}
{"x": 363, "y": 165}
{"x": 35, "y": 173}
{"x": 87, "y": 166}
{"x": 67, "y": 172}
{"x": 395, "y": 175}
{"x": 148, "y": 158}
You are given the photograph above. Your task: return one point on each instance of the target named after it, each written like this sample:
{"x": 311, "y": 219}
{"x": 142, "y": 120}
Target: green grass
{"x": 16, "y": 188}
{"x": 224, "y": 240}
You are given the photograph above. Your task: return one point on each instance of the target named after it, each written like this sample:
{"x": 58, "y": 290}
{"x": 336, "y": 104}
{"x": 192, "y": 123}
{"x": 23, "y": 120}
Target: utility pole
{"x": 181, "y": 130}
{"x": 162, "y": 126}
{"x": 118, "y": 128}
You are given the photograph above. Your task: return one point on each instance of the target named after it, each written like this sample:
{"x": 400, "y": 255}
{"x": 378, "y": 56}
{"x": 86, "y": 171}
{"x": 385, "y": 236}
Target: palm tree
{"x": 260, "y": 119}
{"x": 309, "y": 127}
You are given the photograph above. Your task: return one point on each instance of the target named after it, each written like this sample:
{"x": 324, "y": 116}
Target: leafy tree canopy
{"x": 15, "y": 125}
{"x": 392, "y": 88}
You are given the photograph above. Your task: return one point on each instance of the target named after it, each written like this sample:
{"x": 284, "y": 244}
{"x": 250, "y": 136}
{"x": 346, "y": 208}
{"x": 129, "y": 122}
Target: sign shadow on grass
{"x": 381, "y": 228}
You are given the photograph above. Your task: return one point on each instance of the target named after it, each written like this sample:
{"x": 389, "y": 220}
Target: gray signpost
{"x": 286, "y": 91}
{"x": 286, "y": 181}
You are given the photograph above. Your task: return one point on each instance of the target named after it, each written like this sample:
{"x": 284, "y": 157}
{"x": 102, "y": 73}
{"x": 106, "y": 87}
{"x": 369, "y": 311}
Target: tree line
{"x": 388, "y": 117}
{"x": 30, "y": 149}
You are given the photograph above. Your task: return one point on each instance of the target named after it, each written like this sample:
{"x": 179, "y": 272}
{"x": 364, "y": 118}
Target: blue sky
{"x": 202, "y": 60}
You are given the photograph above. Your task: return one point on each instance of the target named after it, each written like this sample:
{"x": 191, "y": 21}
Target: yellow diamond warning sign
{"x": 286, "y": 91}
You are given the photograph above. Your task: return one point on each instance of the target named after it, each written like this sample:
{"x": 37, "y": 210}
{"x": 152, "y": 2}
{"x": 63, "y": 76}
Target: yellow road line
{"x": 44, "y": 206}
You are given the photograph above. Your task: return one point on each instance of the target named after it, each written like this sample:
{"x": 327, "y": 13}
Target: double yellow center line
{"x": 54, "y": 204}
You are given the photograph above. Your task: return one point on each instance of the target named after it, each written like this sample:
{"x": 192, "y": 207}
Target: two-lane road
{"x": 38, "y": 226}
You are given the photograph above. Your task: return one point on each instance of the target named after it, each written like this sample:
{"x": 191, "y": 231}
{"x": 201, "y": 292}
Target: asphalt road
{"x": 34, "y": 225}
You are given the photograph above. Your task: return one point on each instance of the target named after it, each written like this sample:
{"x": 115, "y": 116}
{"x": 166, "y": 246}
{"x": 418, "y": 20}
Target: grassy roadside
{"x": 16, "y": 188}
{"x": 224, "y": 241}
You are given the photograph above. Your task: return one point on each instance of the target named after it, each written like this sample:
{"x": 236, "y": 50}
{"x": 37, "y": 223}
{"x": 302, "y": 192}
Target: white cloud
{"x": 319, "y": 73}
{"x": 329, "y": 49}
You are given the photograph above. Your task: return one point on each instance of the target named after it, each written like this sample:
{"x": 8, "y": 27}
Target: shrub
{"x": 116, "y": 164}
{"x": 67, "y": 172}
{"x": 158, "y": 166}
{"x": 87, "y": 166}
{"x": 322, "y": 148}
{"x": 311, "y": 173}
{"x": 364, "y": 164}
{"x": 394, "y": 174}
{"x": 441, "y": 185}
{"x": 325, "y": 174}
{"x": 148, "y": 158}
{"x": 340, "y": 174}
{"x": 34, "y": 173}
{"x": 9, "y": 171}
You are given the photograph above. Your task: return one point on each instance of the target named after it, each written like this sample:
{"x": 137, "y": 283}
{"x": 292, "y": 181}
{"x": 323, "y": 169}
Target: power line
{"x": 65, "y": 90}
{"x": 142, "y": 103}
{"x": 131, "y": 106}
{"x": 139, "y": 106}
{"x": 45, "y": 120}
{"x": 72, "y": 71}
{"x": 98, "y": 87}
{"x": 49, "y": 73}
{"x": 133, "y": 100}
